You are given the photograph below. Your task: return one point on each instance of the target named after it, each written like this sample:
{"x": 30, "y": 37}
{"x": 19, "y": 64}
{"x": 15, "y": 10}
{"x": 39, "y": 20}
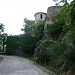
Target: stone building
{"x": 51, "y": 11}
{"x": 40, "y": 16}
{"x": 47, "y": 17}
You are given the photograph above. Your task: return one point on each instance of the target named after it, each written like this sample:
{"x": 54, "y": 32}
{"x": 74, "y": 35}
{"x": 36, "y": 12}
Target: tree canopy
{"x": 1, "y": 27}
{"x": 27, "y": 27}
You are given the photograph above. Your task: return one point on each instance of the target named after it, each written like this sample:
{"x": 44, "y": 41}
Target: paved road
{"x": 13, "y": 65}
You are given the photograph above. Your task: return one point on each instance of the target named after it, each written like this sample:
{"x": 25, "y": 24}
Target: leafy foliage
{"x": 27, "y": 44}
{"x": 55, "y": 29}
{"x": 27, "y": 27}
{"x": 65, "y": 2}
{"x": 27, "y": 41}
{"x": 41, "y": 52}
{"x": 38, "y": 30}
{"x": 12, "y": 44}
{"x": 62, "y": 50}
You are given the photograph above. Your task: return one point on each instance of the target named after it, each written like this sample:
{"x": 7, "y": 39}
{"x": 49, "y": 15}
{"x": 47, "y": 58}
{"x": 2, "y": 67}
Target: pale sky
{"x": 12, "y": 12}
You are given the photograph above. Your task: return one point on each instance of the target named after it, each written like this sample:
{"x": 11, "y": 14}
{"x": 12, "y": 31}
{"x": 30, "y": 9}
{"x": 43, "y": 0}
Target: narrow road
{"x": 13, "y": 65}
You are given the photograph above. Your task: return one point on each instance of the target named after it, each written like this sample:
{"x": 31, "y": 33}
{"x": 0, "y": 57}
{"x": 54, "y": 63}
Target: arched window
{"x": 41, "y": 16}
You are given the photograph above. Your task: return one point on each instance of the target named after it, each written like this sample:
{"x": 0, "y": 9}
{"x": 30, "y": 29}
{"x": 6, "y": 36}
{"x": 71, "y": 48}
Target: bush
{"x": 41, "y": 52}
{"x": 69, "y": 54}
{"x": 38, "y": 30}
{"x": 66, "y": 28}
{"x": 55, "y": 29}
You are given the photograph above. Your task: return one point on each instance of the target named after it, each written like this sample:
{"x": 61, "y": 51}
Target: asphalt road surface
{"x": 14, "y": 65}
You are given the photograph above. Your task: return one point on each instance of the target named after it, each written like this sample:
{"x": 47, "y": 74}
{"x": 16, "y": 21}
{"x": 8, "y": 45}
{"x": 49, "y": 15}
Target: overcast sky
{"x": 12, "y": 12}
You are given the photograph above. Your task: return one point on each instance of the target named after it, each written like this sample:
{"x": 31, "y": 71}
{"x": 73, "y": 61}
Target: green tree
{"x": 1, "y": 28}
{"x": 38, "y": 30}
{"x": 62, "y": 1}
{"x": 1, "y": 34}
{"x": 27, "y": 41}
{"x": 27, "y": 27}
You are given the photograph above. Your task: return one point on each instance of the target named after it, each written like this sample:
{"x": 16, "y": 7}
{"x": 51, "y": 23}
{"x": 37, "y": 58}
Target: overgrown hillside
{"x": 57, "y": 48}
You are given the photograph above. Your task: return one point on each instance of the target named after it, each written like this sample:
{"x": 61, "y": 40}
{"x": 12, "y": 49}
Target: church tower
{"x": 40, "y": 16}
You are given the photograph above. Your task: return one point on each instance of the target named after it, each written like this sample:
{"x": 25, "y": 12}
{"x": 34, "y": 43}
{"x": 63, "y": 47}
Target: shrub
{"x": 41, "y": 52}
{"x": 55, "y": 29}
{"x": 69, "y": 54}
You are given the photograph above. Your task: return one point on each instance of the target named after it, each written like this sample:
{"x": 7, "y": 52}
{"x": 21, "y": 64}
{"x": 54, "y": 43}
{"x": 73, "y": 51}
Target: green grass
{"x": 31, "y": 58}
{"x": 53, "y": 69}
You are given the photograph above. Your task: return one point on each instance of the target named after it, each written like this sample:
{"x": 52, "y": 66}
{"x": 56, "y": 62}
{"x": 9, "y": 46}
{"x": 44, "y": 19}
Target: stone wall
{"x": 51, "y": 11}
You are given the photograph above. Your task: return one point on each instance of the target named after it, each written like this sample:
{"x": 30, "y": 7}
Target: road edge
{"x": 43, "y": 68}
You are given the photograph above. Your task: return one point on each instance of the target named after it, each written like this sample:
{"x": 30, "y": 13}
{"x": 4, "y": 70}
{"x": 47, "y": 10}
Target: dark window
{"x": 41, "y": 16}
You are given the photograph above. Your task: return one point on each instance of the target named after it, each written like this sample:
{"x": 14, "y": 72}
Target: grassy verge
{"x": 53, "y": 69}
{"x": 31, "y": 58}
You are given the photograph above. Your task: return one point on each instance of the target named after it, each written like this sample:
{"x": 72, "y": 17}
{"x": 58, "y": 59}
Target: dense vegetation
{"x": 12, "y": 45}
{"x": 58, "y": 49}
{"x": 56, "y": 46}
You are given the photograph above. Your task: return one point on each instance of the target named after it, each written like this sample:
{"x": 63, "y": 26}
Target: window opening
{"x": 41, "y": 16}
